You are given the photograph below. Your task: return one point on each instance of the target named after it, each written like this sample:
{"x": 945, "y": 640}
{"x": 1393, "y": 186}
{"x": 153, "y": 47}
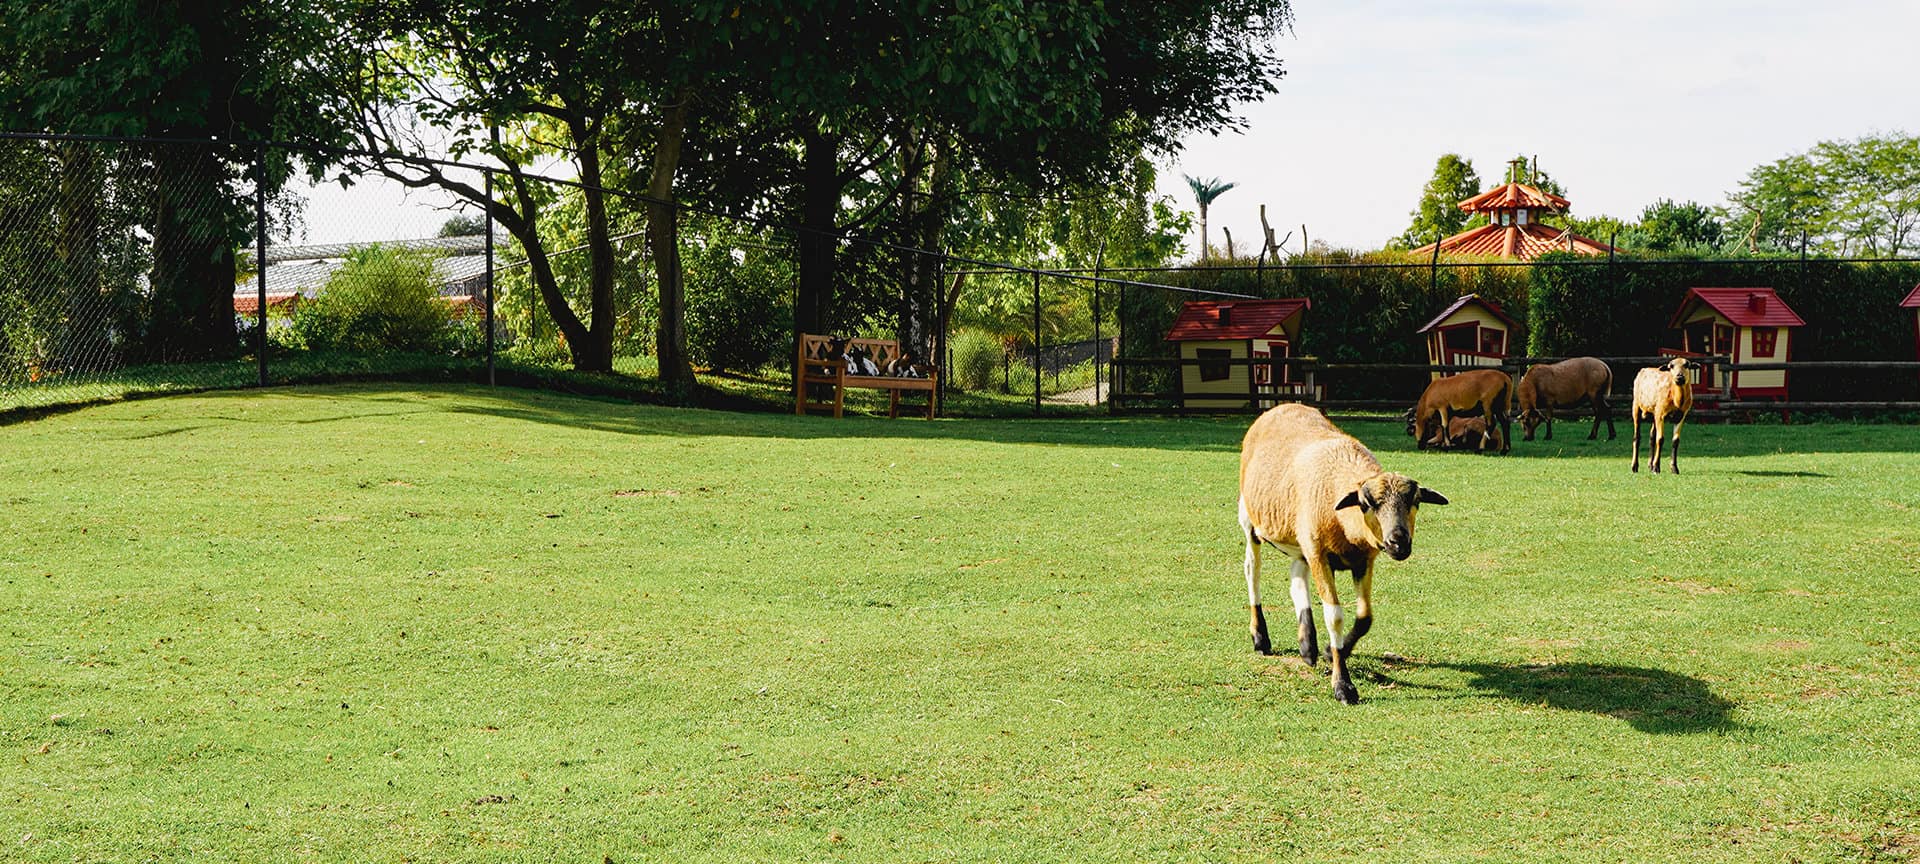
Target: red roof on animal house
{"x": 1913, "y": 298}
{"x": 1745, "y": 307}
{"x": 1233, "y": 319}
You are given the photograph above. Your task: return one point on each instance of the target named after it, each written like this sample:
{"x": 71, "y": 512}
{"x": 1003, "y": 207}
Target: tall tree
{"x": 171, "y": 68}
{"x": 1438, "y": 214}
{"x": 1666, "y": 226}
{"x": 1205, "y": 190}
{"x": 1043, "y": 93}
{"x": 1845, "y": 197}
{"x": 517, "y": 82}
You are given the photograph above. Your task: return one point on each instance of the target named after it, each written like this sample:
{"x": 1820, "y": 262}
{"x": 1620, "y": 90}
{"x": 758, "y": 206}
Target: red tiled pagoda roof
{"x": 1524, "y": 242}
{"x": 1246, "y": 319}
{"x": 1745, "y": 307}
{"x": 1511, "y": 196}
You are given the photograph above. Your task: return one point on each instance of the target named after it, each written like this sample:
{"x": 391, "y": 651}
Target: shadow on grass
{"x": 615, "y": 404}
{"x": 1699, "y": 440}
{"x": 1650, "y": 700}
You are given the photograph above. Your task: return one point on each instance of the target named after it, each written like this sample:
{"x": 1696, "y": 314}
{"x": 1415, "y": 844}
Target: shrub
{"x": 976, "y": 359}
{"x": 381, "y": 299}
{"x": 739, "y": 310}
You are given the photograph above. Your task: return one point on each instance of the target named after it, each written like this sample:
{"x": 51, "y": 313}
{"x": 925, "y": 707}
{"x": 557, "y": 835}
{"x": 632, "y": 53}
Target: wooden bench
{"x": 810, "y": 368}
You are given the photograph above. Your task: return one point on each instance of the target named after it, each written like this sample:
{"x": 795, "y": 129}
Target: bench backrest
{"x": 883, "y": 351}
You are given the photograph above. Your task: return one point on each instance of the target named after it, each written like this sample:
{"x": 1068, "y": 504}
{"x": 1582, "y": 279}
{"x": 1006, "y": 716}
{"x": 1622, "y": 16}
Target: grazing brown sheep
{"x": 1488, "y": 390}
{"x": 1546, "y": 386}
{"x": 1318, "y": 495}
{"x": 1660, "y": 392}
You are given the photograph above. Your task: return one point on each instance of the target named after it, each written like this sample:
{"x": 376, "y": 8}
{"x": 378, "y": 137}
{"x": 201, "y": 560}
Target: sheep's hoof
{"x": 1343, "y": 691}
{"x": 1311, "y": 654}
{"x": 1260, "y": 644}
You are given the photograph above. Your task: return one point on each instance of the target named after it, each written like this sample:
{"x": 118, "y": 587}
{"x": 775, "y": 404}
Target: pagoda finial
{"x": 1516, "y": 169}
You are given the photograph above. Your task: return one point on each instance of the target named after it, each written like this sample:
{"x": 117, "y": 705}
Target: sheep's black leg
{"x": 1636, "y": 439}
{"x": 1261, "y": 644}
{"x": 1303, "y": 611}
{"x": 1676, "y": 445}
{"x": 1322, "y": 572}
{"x": 1309, "y": 643}
{"x": 1362, "y": 608}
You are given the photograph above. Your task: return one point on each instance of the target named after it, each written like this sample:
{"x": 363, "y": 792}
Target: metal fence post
{"x": 260, "y": 255}
{"x": 489, "y": 185}
{"x": 1036, "y": 343}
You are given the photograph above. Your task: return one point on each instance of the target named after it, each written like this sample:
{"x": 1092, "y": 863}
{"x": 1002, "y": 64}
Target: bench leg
{"x": 839, "y": 399}
{"x": 893, "y": 405}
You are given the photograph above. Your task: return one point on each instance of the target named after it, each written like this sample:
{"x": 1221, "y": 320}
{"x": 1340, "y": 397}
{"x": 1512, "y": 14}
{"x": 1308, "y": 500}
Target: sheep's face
{"x": 1531, "y": 420}
{"x": 1388, "y": 503}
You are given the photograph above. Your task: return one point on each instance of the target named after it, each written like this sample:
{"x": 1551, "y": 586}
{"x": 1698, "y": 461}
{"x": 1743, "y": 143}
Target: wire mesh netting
{"x": 117, "y": 269}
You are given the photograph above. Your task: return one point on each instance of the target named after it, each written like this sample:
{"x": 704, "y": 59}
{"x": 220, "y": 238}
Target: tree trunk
{"x": 193, "y": 267}
{"x": 597, "y": 354}
{"x": 522, "y": 223}
{"x": 84, "y": 343}
{"x": 663, "y": 241}
{"x": 1203, "y": 232}
{"x": 819, "y": 216}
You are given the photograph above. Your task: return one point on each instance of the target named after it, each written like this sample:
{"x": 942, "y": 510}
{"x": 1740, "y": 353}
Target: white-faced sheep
{"x": 1318, "y": 495}
{"x": 1660, "y": 392}
{"x": 1488, "y": 390}
{"x": 1546, "y": 386}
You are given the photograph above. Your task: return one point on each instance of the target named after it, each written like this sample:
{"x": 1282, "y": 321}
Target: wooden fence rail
{"x": 1309, "y": 370}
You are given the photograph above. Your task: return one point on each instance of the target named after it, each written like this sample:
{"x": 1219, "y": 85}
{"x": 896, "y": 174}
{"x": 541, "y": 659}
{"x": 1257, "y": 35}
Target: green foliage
{"x": 977, "y": 360}
{"x": 739, "y": 303}
{"x": 381, "y": 299}
{"x": 1207, "y": 189}
{"x": 1438, "y": 214}
{"x": 1859, "y": 197}
{"x": 1622, "y": 310}
{"x": 1666, "y": 226}
{"x": 464, "y": 225}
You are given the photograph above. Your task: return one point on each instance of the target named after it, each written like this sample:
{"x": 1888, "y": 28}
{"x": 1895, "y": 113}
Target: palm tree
{"x": 1204, "y": 191}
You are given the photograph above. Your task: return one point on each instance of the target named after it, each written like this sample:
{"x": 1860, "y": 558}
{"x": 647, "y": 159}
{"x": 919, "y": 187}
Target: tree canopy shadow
{"x": 1205, "y": 433}
{"x": 1650, "y": 700}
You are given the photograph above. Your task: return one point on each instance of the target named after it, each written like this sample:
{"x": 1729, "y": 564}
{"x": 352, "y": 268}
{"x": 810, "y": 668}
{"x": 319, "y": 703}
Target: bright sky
{"x": 1625, "y": 102}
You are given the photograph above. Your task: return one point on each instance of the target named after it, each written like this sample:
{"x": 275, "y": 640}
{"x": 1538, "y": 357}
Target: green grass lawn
{"x": 392, "y": 623}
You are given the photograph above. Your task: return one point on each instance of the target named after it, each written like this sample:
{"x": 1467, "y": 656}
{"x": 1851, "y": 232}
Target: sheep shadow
{"x": 1654, "y": 701}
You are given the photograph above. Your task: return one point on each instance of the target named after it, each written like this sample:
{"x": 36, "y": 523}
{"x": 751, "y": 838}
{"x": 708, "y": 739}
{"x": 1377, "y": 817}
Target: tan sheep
{"x": 1568, "y": 383}
{"x": 1318, "y": 495}
{"x": 1660, "y": 392}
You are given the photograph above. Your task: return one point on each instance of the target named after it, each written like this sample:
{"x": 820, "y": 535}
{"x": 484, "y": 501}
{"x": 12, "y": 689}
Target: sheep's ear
{"x": 1352, "y": 499}
{"x": 1428, "y": 496}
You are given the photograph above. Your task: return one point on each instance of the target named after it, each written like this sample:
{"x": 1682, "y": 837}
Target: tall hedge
{"x": 1368, "y": 307}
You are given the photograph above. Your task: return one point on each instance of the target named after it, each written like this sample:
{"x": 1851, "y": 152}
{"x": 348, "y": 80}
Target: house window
{"x": 1213, "y": 366}
{"x": 1493, "y": 341}
{"x": 1722, "y": 340}
{"x": 1262, "y": 374}
{"x": 1763, "y": 340}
